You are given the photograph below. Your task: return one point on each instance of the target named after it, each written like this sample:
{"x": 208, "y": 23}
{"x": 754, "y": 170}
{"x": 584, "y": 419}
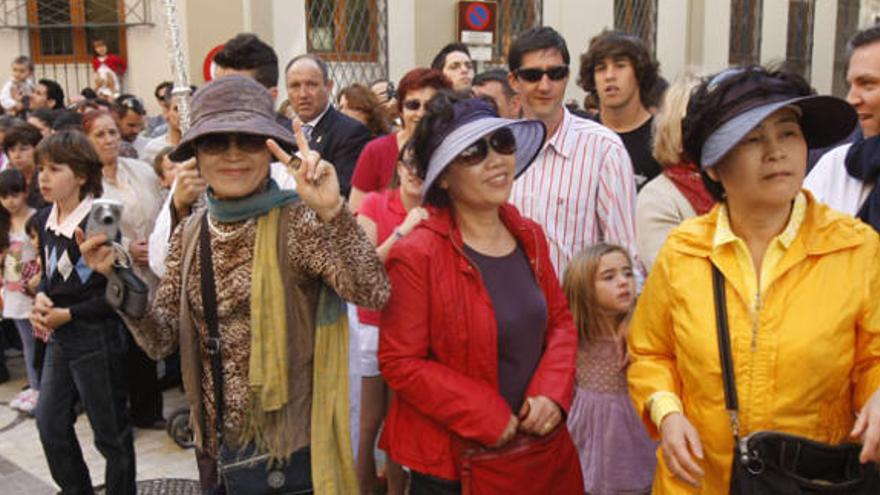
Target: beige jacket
{"x": 660, "y": 208}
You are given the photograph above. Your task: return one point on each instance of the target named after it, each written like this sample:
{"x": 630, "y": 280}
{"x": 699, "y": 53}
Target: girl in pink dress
{"x": 617, "y": 456}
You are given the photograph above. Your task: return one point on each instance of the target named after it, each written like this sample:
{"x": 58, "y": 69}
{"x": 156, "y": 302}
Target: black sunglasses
{"x": 556, "y": 73}
{"x": 412, "y": 105}
{"x": 502, "y": 141}
{"x": 214, "y": 144}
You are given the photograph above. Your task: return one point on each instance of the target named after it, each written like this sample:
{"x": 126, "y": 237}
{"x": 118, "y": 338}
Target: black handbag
{"x": 244, "y": 470}
{"x": 769, "y": 462}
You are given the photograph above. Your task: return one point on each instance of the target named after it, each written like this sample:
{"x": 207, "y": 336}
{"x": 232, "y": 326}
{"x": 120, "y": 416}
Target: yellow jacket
{"x": 815, "y": 359}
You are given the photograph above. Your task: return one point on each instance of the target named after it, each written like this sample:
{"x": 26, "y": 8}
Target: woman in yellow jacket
{"x": 802, "y": 285}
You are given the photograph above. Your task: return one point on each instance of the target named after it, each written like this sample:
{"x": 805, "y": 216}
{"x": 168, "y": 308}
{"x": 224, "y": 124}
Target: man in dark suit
{"x": 338, "y": 138}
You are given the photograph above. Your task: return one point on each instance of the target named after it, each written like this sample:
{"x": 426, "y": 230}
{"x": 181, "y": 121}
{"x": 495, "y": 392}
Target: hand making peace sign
{"x": 316, "y": 180}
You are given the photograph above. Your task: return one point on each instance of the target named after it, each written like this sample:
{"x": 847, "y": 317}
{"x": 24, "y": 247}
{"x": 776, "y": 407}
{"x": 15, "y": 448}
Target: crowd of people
{"x": 532, "y": 297}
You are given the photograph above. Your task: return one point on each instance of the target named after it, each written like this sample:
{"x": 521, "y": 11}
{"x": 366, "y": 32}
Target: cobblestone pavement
{"x": 23, "y": 468}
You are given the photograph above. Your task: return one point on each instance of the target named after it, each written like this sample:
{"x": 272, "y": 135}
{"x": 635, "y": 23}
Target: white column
{"x": 716, "y": 35}
{"x": 774, "y": 31}
{"x": 824, "y": 27}
{"x": 289, "y": 29}
{"x": 672, "y": 37}
{"x": 401, "y": 38}
{"x": 578, "y": 21}
{"x": 247, "y": 25}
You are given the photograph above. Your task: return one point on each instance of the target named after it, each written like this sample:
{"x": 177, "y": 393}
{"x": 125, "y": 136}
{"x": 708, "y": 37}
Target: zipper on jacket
{"x": 756, "y": 317}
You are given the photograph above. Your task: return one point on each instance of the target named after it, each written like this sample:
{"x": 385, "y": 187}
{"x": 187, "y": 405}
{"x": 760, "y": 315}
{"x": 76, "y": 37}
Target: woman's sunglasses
{"x": 556, "y": 73}
{"x": 412, "y": 105}
{"x": 502, "y": 141}
{"x": 214, "y": 144}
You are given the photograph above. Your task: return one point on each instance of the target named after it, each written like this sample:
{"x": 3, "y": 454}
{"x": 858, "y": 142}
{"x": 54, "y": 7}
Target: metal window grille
{"x": 351, "y": 36}
{"x": 799, "y": 49}
{"x": 745, "y": 32}
{"x": 60, "y": 33}
{"x": 848, "y": 13}
{"x": 638, "y": 18}
{"x": 514, "y": 17}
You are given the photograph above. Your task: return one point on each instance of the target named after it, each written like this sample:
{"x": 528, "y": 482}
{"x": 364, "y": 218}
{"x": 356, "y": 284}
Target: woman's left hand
{"x": 539, "y": 415}
{"x": 867, "y": 429}
{"x": 316, "y": 181}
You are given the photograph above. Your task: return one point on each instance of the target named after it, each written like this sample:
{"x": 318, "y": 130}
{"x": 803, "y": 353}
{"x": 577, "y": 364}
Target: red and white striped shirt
{"x": 581, "y": 190}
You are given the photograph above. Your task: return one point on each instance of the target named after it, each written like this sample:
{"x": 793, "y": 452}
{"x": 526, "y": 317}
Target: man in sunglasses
{"x": 620, "y": 71}
{"x": 130, "y": 112}
{"x": 580, "y": 187}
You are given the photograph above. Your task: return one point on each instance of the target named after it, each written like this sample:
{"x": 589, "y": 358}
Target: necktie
{"x": 307, "y": 131}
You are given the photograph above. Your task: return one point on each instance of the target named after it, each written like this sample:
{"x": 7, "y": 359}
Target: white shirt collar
{"x": 317, "y": 119}
{"x": 72, "y": 221}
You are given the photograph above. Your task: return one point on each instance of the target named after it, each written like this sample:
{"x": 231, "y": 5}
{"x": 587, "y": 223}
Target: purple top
{"x": 521, "y": 317}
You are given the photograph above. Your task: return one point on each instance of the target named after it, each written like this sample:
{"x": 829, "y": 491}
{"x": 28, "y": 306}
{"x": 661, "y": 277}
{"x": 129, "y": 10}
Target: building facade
{"x": 364, "y": 40}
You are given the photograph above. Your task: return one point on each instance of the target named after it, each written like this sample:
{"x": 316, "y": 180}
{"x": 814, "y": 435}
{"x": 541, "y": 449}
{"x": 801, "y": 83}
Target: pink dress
{"x": 616, "y": 453}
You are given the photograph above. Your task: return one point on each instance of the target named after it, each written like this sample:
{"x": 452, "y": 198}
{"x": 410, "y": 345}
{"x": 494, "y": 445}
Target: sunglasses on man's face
{"x": 214, "y": 144}
{"x": 556, "y": 73}
{"x": 502, "y": 141}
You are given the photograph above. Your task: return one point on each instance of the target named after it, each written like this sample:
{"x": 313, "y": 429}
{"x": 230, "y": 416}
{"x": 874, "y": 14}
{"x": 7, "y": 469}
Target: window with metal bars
{"x": 343, "y": 30}
{"x": 745, "y": 32}
{"x": 62, "y": 31}
{"x": 799, "y": 46}
{"x": 638, "y": 18}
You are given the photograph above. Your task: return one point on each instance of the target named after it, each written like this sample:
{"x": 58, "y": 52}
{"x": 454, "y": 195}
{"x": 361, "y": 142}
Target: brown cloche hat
{"x": 232, "y": 104}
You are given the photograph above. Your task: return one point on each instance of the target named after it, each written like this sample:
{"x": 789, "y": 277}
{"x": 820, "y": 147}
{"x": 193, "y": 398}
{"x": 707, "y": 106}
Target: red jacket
{"x": 438, "y": 344}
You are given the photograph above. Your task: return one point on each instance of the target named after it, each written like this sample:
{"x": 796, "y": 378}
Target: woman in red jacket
{"x": 476, "y": 341}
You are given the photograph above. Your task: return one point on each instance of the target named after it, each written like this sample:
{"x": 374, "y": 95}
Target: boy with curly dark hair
{"x": 619, "y": 71}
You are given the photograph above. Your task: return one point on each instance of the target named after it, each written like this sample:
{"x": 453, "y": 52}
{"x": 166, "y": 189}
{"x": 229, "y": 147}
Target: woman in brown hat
{"x": 250, "y": 289}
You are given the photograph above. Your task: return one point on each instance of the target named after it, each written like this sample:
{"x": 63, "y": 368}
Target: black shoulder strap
{"x": 209, "y": 300}
{"x": 731, "y": 401}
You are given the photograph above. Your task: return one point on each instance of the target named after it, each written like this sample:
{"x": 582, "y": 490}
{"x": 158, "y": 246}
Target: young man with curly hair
{"x": 619, "y": 71}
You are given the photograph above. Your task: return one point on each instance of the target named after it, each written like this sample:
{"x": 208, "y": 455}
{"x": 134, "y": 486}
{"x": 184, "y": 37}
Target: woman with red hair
{"x": 375, "y": 167}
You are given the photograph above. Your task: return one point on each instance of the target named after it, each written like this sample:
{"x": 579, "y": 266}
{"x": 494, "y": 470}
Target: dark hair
{"x": 539, "y": 38}
{"x": 863, "y": 37}
{"x": 7, "y": 121}
{"x": 438, "y": 113}
{"x": 160, "y": 157}
{"x": 248, "y": 52}
{"x": 12, "y": 182}
{"x": 45, "y": 115}
{"x": 360, "y": 97}
{"x": 615, "y": 44}
{"x": 25, "y": 61}
{"x": 88, "y": 93}
{"x": 710, "y": 107}
{"x": 418, "y": 78}
{"x": 54, "y": 91}
{"x": 22, "y": 133}
{"x": 72, "y": 148}
{"x": 32, "y": 226}
{"x": 325, "y": 72}
{"x": 494, "y": 75}
{"x": 440, "y": 59}
{"x": 68, "y": 121}
{"x": 166, "y": 85}
{"x": 125, "y": 102}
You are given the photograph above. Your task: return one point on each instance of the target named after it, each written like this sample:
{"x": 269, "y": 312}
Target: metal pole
{"x": 178, "y": 65}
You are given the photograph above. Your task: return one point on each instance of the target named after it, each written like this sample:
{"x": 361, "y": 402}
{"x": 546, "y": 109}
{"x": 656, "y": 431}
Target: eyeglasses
{"x": 413, "y": 105}
{"x": 502, "y": 141}
{"x": 214, "y": 144}
{"x": 556, "y": 73}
